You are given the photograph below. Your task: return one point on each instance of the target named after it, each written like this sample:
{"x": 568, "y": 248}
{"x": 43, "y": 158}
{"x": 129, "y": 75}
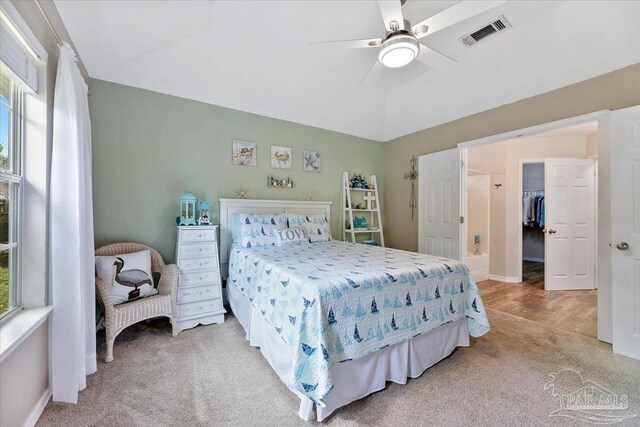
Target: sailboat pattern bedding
{"x": 336, "y": 301}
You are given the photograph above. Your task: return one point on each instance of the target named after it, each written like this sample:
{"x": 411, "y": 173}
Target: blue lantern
{"x": 188, "y": 209}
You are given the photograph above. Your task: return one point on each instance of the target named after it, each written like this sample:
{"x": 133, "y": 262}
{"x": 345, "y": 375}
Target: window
{"x": 11, "y": 119}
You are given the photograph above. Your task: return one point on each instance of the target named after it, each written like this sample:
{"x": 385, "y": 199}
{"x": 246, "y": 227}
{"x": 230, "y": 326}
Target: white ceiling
{"x": 255, "y": 56}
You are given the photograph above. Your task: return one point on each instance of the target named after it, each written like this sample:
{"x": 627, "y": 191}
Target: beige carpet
{"x": 210, "y": 376}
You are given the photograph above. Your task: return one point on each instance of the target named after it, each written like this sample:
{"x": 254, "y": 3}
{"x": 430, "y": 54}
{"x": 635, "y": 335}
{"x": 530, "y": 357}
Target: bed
{"x": 337, "y": 320}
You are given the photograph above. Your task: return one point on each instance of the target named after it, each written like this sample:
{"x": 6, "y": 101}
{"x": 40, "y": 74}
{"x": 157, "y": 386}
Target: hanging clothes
{"x": 533, "y": 209}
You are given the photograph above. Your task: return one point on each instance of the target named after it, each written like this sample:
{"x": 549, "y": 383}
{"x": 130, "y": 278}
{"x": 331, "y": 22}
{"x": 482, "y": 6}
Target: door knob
{"x": 551, "y": 231}
{"x": 623, "y": 246}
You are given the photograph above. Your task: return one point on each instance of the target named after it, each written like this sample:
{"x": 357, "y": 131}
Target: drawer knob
{"x": 199, "y": 235}
{"x": 200, "y": 250}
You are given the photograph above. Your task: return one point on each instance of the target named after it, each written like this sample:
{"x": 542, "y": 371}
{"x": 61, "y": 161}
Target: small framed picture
{"x": 244, "y": 153}
{"x": 312, "y": 161}
{"x": 280, "y": 157}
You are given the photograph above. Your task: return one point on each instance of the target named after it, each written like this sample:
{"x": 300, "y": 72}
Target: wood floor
{"x": 574, "y": 311}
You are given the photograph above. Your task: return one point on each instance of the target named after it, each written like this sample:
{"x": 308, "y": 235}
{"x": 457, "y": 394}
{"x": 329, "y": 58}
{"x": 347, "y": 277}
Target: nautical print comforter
{"x": 336, "y": 301}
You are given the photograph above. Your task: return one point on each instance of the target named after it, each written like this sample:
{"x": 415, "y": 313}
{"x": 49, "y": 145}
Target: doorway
{"x": 618, "y": 235}
{"x": 525, "y": 265}
{"x": 533, "y": 217}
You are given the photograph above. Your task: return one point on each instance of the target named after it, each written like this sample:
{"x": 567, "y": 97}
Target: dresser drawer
{"x": 198, "y": 293}
{"x": 197, "y": 235}
{"x": 200, "y": 307}
{"x": 191, "y": 264}
{"x": 188, "y": 250}
{"x": 198, "y": 278}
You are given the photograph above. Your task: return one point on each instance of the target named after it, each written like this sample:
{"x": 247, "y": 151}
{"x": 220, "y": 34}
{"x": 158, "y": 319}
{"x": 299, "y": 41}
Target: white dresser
{"x": 199, "y": 287}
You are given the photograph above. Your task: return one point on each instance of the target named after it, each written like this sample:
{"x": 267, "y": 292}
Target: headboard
{"x": 230, "y": 206}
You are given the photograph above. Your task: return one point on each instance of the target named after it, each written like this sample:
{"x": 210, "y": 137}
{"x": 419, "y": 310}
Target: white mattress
{"x": 357, "y": 378}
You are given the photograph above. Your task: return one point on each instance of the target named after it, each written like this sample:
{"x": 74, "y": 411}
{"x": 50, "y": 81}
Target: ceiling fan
{"x": 401, "y": 44}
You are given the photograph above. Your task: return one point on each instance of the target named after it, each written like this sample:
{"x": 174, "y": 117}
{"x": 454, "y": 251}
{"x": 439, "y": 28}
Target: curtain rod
{"x": 48, "y": 21}
{"x": 53, "y": 30}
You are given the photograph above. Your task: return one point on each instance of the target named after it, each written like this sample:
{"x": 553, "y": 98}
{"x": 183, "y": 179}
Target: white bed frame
{"x": 231, "y": 206}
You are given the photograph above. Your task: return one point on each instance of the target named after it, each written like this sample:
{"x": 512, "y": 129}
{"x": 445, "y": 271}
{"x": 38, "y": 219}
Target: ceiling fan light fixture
{"x": 398, "y": 51}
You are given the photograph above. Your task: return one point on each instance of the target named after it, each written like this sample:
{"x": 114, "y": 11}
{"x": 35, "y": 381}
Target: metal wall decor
{"x": 412, "y": 176}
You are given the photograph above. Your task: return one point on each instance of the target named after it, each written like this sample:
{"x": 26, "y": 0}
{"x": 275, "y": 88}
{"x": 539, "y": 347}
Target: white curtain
{"x": 71, "y": 235}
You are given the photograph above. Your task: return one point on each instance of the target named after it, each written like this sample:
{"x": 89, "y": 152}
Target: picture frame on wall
{"x": 280, "y": 157}
{"x": 312, "y": 161}
{"x": 244, "y": 153}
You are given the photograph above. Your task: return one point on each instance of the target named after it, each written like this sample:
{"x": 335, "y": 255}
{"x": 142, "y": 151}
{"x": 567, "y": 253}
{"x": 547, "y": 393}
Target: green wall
{"x": 149, "y": 147}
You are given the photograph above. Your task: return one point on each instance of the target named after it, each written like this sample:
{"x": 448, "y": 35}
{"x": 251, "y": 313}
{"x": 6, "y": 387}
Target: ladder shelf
{"x": 371, "y": 198}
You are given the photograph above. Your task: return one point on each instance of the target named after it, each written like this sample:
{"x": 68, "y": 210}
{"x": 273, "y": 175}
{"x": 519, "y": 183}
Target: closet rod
{"x": 48, "y": 21}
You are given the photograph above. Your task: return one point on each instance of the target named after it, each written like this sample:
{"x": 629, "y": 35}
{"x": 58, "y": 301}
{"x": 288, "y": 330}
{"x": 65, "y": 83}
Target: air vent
{"x": 499, "y": 24}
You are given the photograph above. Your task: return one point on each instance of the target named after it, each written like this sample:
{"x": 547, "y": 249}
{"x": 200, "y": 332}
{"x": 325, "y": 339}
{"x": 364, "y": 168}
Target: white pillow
{"x": 260, "y": 229}
{"x": 128, "y": 275}
{"x": 317, "y": 225}
{"x": 292, "y": 236}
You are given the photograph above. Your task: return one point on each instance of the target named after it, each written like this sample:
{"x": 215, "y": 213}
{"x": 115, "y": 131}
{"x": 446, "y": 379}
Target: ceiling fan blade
{"x": 350, "y": 44}
{"x": 374, "y": 73}
{"x": 434, "y": 59}
{"x": 451, "y": 16}
{"x": 391, "y": 11}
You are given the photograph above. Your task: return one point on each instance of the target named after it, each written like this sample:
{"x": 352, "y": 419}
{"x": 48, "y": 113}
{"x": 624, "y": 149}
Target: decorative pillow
{"x": 317, "y": 225}
{"x": 129, "y": 276}
{"x": 292, "y": 236}
{"x": 260, "y": 229}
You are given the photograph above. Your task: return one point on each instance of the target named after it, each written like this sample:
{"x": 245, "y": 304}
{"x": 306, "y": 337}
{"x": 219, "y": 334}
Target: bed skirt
{"x": 357, "y": 378}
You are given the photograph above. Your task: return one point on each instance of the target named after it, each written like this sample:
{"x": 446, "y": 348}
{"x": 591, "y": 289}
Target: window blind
{"x": 15, "y": 55}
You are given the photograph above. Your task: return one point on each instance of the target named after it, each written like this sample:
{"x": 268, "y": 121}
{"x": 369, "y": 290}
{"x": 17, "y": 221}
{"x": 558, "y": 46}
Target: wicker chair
{"x": 118, "y": 317}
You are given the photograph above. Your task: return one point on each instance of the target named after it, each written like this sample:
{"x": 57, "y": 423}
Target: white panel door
{"x": 439, "y": 204}
{"x": 570, "y": 244}
{"x": 625, "y": 230}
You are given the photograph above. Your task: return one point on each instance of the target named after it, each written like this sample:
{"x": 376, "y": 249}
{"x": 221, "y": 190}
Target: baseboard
{"x": 530, "y": 258}
{"x": 34, "y": 416}
{"x": 480, "y": 275}
{"x": 503, "y": 279}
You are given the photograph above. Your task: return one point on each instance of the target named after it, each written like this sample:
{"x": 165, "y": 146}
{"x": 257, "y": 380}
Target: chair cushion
{"x": 128, "y": 275}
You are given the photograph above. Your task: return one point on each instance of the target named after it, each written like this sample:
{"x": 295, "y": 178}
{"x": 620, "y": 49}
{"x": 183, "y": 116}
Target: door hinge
{"x": 461, "y": 164}
{"x": 461, "y": 220}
